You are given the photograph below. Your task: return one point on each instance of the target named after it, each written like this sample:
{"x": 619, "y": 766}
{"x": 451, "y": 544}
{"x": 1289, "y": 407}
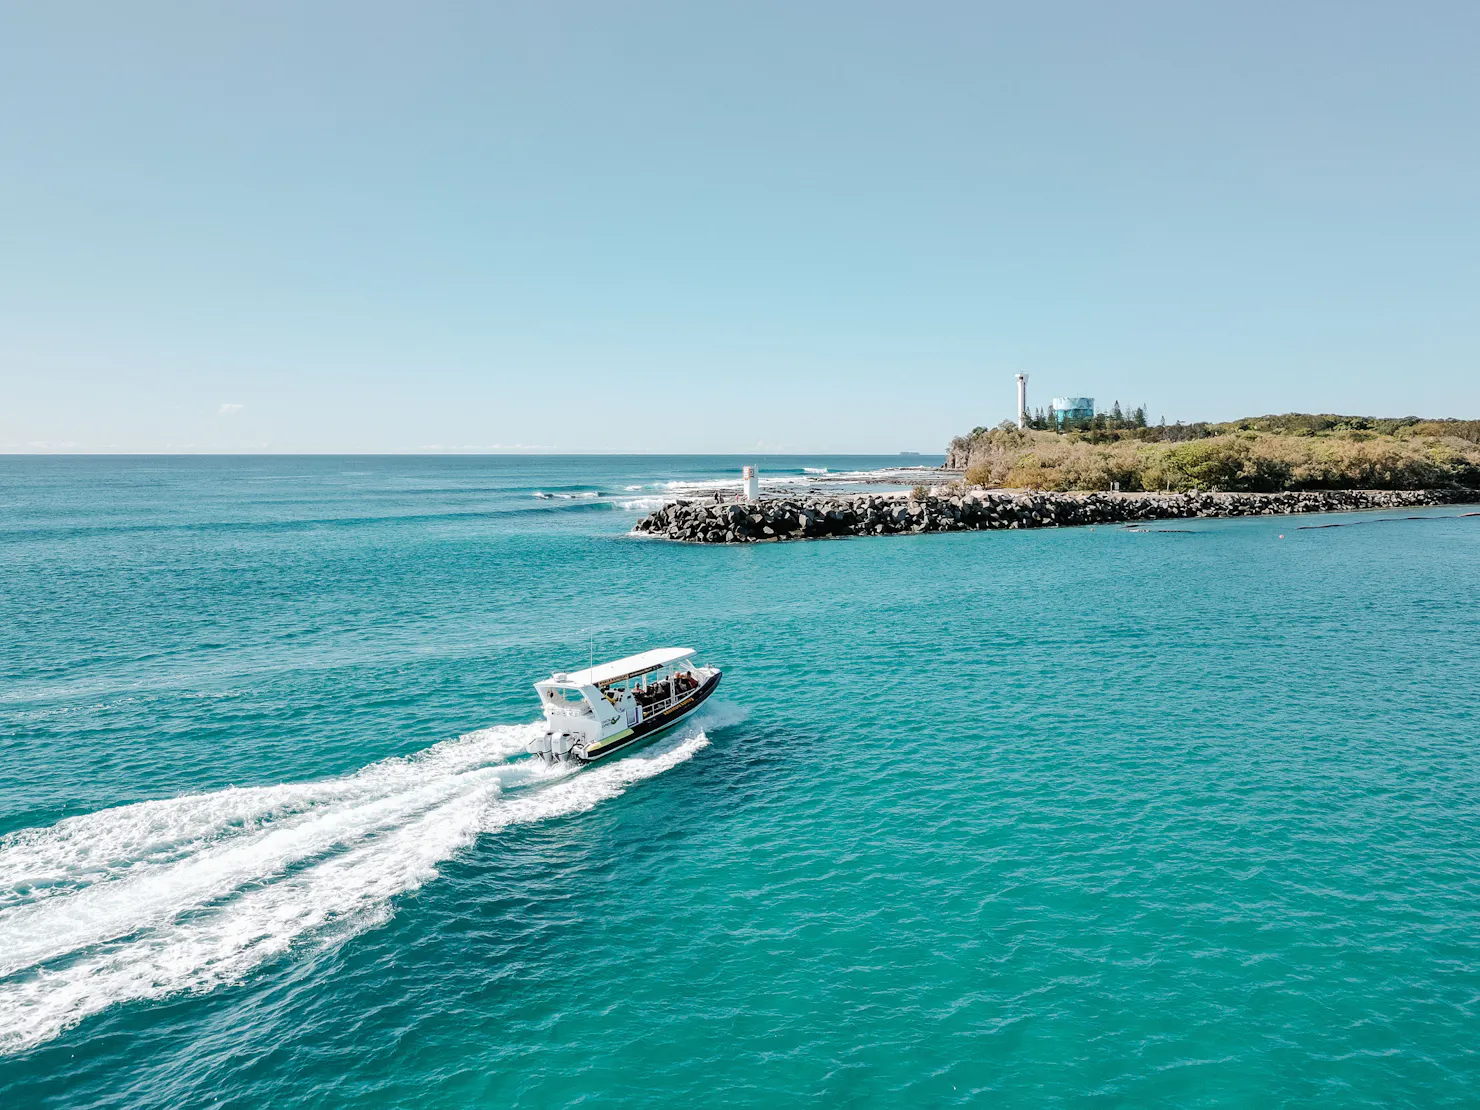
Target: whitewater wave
{"x": 574, "y": 495}
{"x": 680, "y": 489}
{"x": 709, "y": 485}
{"x": 644, "y": 504}
{"x": 188, "y": 894}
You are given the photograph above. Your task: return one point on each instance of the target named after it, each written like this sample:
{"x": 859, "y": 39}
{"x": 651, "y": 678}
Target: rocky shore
{"x": 894, "y": 514}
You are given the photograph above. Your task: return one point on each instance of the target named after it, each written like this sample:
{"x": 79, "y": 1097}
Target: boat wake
{"x": 187, "y": 894}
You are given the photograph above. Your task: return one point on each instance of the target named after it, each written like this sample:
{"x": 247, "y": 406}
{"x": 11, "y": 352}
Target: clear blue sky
{"x": 724, "y": 226}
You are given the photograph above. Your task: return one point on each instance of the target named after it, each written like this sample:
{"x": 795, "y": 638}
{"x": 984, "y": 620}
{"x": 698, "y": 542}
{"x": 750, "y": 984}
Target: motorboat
{"x": 591, "y": 713}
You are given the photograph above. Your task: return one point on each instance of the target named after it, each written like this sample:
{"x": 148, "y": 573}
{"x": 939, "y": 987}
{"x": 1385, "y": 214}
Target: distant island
{"x": 1260, "y": 454}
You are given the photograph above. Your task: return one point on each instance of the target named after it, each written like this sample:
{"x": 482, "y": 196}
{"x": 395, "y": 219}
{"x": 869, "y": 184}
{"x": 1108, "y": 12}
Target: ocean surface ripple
{"x": 1072, "y": 816}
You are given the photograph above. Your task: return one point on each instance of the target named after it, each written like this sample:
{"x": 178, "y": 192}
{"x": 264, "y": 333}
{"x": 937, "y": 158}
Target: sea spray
{"x": 187, "y": 894}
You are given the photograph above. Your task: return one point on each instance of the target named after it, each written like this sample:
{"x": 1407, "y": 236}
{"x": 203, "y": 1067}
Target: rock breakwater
{"x": 976, "y": 510}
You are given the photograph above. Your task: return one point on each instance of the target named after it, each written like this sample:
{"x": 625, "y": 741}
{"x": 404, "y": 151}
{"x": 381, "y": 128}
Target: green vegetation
{"x": 1292, "y": 451}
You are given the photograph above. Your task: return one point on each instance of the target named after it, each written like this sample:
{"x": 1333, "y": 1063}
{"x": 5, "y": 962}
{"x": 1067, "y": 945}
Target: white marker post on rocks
{"x": 751, "y": 478}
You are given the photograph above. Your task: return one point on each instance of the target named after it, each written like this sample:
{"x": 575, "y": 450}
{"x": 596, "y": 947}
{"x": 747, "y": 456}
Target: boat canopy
{"x": 619, "y": 669}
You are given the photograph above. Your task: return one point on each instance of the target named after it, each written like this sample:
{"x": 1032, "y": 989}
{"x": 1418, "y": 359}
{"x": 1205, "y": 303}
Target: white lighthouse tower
{"x": 1022, "y": 380}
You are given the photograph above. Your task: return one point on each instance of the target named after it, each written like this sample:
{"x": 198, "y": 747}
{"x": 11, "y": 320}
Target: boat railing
{"x": 652, "y": 709}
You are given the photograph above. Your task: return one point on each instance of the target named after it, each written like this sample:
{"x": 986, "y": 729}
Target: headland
{"x": 1261, "y": 454}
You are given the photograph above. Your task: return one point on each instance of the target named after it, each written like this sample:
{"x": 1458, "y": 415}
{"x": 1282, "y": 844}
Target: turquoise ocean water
{"x": 1185, "y": 817}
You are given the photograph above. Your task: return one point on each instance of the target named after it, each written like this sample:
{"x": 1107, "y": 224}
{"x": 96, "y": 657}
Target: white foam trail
{"x": 190, "y": 893}
{"x": 77, "y": 851}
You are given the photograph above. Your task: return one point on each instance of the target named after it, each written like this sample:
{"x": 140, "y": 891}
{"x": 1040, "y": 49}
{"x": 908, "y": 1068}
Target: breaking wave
{"x": 680, "y": 489}
{"x": 188, "y": 894}
{"x": 566, "y": 495}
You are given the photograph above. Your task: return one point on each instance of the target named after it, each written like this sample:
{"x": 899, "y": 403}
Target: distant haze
{"x": 725, "y": 227}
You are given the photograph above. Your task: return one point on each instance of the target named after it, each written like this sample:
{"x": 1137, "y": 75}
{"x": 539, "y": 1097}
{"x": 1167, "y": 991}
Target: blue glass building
{"x": 1073, "y": 408}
